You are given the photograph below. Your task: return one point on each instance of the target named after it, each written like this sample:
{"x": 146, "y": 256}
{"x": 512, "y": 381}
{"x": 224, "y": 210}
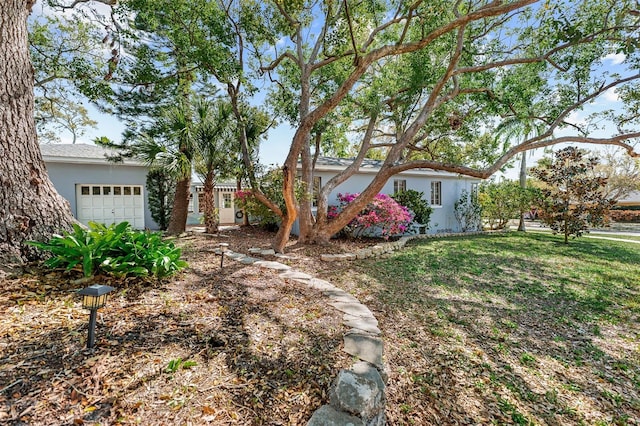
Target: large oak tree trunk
{"x": 178, "y": 221}
{"x": 30, "y": 207}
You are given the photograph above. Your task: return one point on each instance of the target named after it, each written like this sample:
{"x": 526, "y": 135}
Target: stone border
{"x": 357, "y": 396}
{"x": 392, "y": 246}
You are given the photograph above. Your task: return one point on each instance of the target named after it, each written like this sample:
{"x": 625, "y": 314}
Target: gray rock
{"x": 338, "y": 295}
{"x": 273, "y": 265}
{"x": 365, "y": 347}
{"x": 328, "y": 257}
{"x": 284, "y": 256}
{"x": 355, "y": 309}
{"x": 248, "y": 260}
{"x": 296, "y": 275}
{"x": 318, "y": 284}
{"x": 267, "y": 252}
{"x": 371, "y": 319}
{"x": 328, "y": 416}
{"x": 365, "y": 324}
{"x": 359, "y": 391}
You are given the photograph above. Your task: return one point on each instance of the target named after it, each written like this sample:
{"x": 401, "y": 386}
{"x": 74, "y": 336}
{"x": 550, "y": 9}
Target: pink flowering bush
{"x": 382, "y": 216}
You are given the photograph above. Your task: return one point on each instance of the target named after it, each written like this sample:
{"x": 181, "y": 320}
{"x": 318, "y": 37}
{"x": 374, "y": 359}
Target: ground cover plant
{"x": 507, "y": 329}
{"x": 115, "y": 249}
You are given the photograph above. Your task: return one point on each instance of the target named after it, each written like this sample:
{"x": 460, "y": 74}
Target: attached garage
{"x": 99, "y": 190}
{"x": 110, "y": 204}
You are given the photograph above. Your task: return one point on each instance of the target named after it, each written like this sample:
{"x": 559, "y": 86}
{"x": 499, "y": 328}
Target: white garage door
{"x": 110, "y": 204}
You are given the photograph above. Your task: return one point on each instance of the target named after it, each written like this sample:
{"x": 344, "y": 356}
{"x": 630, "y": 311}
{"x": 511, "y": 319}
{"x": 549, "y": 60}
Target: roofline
{"x": 411, "y": 172}
{"x": 84, "y": 160}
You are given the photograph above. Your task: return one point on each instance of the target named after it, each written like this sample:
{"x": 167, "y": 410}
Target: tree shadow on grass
{"x": 480, "y": 331}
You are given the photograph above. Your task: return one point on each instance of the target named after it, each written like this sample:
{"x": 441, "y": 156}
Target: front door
{"x": 226, "y": 207}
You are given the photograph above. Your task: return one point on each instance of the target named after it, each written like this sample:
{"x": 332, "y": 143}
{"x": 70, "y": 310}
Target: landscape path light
{"x": 223, "y": 248}
{"x": 94, "y": 297}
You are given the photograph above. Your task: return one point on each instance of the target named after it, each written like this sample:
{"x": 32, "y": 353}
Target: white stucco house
{"x": 101, "y": 191}
{"x": 107, "y": 192}
{"x": 441, "y": 189}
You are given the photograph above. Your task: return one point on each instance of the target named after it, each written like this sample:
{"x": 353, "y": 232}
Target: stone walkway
{"x": 357, "y": 394}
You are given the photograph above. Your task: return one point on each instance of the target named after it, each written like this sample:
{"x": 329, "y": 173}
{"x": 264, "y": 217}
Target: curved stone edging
{"x": 357, "y": 395}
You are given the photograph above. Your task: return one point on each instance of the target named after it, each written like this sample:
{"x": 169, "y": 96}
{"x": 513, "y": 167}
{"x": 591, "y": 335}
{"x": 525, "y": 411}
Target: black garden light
{"x": 93, "y": 298}
{"x": 223, "y": 248}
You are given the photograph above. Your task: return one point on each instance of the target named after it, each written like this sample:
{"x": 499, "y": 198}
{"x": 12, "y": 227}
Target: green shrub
{"x": 467, "y": 212}
{"x": 114, "y": 249}
{"x": 414, "y": 201}
{"x": 625, "y": 215}
{"x": 271, "y": 186}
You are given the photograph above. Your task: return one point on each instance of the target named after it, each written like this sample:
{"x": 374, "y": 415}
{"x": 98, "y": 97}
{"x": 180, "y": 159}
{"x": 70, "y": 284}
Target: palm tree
{"x": 213, "y": 138}
{"x": 256, "y": 124}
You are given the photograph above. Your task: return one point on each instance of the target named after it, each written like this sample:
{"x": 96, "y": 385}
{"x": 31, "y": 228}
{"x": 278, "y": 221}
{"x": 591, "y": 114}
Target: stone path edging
{"x": 357, "y": 395}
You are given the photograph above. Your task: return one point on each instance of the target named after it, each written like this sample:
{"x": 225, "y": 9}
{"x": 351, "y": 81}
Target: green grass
{"x": 509, "y": 320}
{"x": 599, "y": 280}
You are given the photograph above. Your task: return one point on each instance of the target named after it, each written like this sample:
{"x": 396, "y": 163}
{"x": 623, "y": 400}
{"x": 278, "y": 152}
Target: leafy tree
{"x": 572, "y": 196}
{"x": 468, "y": 212}
{"x": 416, "y": 203}
{"x": 503, "y": 201}
{"x": 424, "y": 80}
{"x": 160, "y": 190}
{"x": 521, "y": 128}
{"x": 622, "y": 173}
{"x": 69, "y": 61}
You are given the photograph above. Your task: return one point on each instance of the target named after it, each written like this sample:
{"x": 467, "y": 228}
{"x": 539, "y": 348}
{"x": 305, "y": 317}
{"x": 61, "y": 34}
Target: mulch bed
{"x": 209, "y": 346}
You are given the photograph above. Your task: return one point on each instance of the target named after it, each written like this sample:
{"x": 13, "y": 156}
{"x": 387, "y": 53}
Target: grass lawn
{"x": 507, "y": 328}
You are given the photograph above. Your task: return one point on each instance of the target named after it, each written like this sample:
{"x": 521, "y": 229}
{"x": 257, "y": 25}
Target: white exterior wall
{"x": 442, "y": 217}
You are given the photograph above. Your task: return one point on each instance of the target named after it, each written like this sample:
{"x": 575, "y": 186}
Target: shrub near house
{"x": 382, "y": 217}
{"x": 625, "y": 216}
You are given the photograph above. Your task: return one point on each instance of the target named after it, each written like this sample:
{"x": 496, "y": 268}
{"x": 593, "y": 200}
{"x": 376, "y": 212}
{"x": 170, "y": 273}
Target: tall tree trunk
{"x": 305, "y": 218}
{"x": 30, "y": 207}
{"x": 178, "y": 221}
{"x": 211, "y": 218}
{"x": 282, "y": 236}
{"x": 523, "y": 186}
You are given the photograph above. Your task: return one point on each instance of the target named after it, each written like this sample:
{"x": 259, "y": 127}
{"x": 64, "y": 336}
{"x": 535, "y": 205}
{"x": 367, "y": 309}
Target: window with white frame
{"x": 399, "y": 185}
{"x": 436, "y": 193}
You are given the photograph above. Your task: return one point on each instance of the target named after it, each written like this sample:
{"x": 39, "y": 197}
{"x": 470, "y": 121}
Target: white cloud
{"x": 576, "y": 118}
{"x": 611, "y": 95}
{"x": 615, "y": 58}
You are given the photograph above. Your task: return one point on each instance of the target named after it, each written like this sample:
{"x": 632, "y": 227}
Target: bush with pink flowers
{"x": 383, "y": 216}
